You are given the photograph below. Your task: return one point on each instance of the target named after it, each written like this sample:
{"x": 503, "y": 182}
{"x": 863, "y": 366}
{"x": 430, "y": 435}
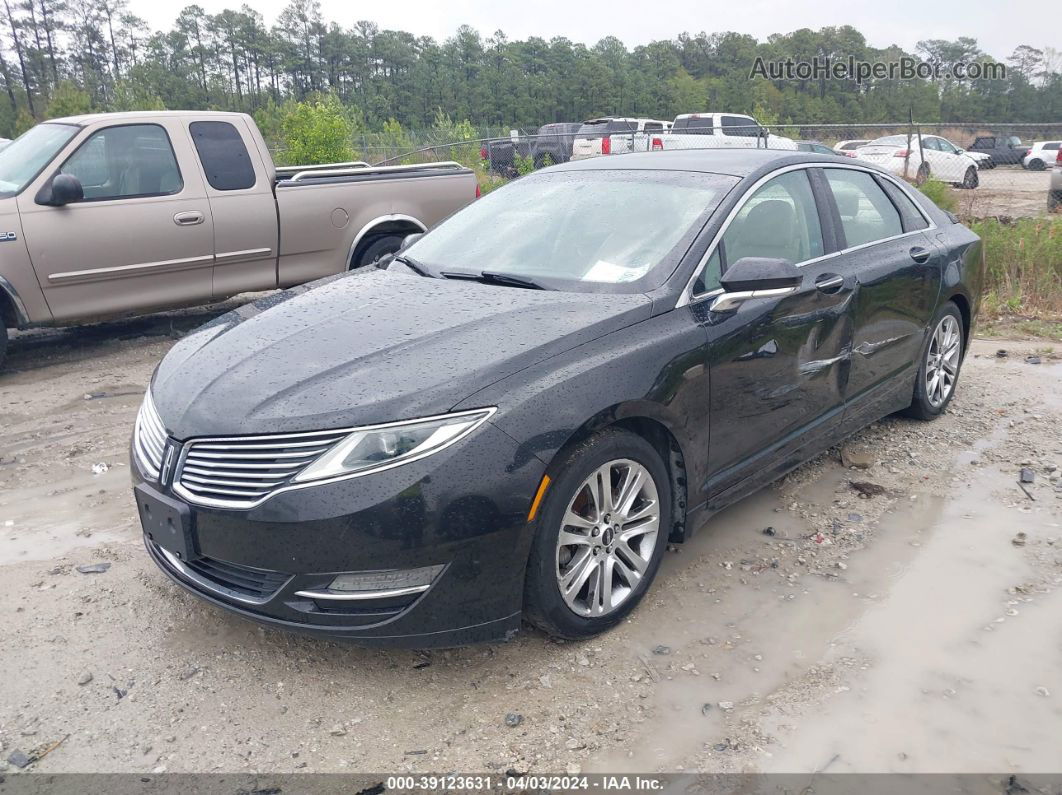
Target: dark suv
{"x": 1001, "y": 149}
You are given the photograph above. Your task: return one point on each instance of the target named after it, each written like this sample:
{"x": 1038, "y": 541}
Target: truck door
{"x": 141, "y": 238}
{"x": 239, "y": 187}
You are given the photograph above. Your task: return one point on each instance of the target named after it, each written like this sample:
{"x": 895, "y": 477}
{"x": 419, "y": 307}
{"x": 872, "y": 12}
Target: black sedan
{"x": 517, "y": 415}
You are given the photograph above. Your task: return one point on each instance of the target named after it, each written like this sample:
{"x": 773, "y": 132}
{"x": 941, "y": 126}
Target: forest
{"x": 62, "y": 57}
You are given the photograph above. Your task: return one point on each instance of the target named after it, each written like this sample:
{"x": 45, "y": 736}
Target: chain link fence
{"x": 989, "y": 170}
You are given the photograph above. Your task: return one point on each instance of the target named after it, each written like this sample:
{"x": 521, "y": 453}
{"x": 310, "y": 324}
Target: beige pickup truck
{"x": 127, "y": 213}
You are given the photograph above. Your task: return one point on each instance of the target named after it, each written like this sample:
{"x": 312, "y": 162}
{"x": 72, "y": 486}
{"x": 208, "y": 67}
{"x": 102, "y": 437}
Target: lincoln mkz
{"x": 513, "y": 417}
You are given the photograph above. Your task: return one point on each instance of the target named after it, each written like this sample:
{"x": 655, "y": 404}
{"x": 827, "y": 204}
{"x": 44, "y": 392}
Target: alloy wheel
{"x": 942, "y": 361}
{"x": 607, "y": 537}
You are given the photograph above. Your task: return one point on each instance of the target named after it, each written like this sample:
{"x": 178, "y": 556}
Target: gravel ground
{"x": 805, "y": 628}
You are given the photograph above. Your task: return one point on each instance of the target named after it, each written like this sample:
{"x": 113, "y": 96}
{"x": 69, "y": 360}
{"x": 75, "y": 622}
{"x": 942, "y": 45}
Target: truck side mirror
{"x": 62, "y": 190}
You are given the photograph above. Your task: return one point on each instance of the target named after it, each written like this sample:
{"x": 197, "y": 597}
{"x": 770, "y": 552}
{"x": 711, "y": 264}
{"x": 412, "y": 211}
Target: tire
{"x": 931, "y": 398}
{"x": 1036, "y": 164}
{"x": 378, "y": 248}
{"x": 582, "y": 614}
{"x": 923, "y": 174}
{"x": 970, "y": 179}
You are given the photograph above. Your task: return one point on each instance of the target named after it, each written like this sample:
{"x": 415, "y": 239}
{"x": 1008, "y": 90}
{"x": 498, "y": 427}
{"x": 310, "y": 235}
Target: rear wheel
{"x": 1036, "y": 164}
{"x": 941, "y": 359}
{"x": 602, "y": 532}
{"x": 377, "y": 249}
{"x": 923, "y": 174}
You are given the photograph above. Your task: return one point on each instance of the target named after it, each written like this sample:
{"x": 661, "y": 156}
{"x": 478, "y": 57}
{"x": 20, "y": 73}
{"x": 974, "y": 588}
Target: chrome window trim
{"x": 21, "y": 316}
{"x": 687, "y": 297}
{"x": 244, "y": 505}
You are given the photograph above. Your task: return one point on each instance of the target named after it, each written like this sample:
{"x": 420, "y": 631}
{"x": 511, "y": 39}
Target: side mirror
{"x": 960, "y": 151}
{"x": 409, "y": 240}
{"x": 756, "y": 277}
{"x": 62, "y": 190}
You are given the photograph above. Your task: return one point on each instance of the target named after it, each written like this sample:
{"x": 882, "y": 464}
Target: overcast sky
{"x": 640, "y": 22}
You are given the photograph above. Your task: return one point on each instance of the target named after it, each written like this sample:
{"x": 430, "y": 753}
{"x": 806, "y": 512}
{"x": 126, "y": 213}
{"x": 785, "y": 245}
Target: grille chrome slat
{"x": 149, "y": 438}
{"x": 241, "y": 472}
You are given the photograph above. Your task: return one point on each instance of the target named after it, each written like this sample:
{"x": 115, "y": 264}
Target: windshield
{"x": 585, "y": 231}
{"x": 22, "y": 160}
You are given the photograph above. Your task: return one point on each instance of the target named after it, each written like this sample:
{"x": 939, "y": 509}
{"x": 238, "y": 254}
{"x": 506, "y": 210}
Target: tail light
{"x": 851, "y": 154}
{"x": 657, "y": 144}
{"x": 478, "y": 191}
{"x": 483, "y": 153}
{"x": 1058, "y": 158}
{"x": 902, "y": 153}
{"x": 606, "y": 145}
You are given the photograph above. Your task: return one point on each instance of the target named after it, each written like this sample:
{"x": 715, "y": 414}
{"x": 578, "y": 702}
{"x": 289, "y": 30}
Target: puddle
{"x": 83, "y": 510}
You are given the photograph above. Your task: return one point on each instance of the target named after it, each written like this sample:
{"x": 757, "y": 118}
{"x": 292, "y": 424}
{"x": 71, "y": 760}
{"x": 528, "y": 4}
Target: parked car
{"x": 814, "y": 146}
{"x": 612, "y": 136}
{"x": 934, "y": 157}
{"x": 553, "y": 143}
{"x": 1054, "y": 190}
{"x": 517, "y": 424}
{"x": 717, "y": 131}
{"x": 1002, "y": 149}
{"x": 123, "y": 213}
{"x": 501, "y": 154}
{"x": 847, "y": 148}
{"x": 983, "y": 160}
{"x": 1041, "y": 155}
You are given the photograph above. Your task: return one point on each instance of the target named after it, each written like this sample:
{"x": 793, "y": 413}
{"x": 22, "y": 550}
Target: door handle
{"x": 919, "y": 254}
{"x": 829, "y": 282}
{"x": 189, "y": 218}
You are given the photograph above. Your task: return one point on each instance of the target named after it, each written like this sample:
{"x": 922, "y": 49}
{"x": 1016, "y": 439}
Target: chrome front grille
{"x": 240, "y": 472}
{"x": 149, "y": 438}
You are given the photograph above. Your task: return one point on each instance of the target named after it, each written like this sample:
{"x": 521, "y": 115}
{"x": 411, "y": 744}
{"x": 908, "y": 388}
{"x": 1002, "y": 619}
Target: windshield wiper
{"x": 415, "y": 265}
{"x": 494, "y": 277}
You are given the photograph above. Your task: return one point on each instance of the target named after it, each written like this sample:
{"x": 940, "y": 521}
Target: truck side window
{"x": 126, "y": 161}
{"x": 223, "y": 155}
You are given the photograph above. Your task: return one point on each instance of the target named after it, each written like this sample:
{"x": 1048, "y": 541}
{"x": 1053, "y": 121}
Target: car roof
{"x": 135, "y": 115}
{"x": 734, "y": 162}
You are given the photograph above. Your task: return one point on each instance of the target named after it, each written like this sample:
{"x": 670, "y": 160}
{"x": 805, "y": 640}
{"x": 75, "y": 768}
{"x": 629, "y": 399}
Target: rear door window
{"x": 225, "y": 160}
{"x": 1052, "y": 146}
{"x": 741, "y": 126}
{"x": 867, "y": 214}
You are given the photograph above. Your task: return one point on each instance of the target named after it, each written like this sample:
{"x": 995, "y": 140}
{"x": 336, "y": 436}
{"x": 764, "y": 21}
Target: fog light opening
{"x": 377, "y": 584}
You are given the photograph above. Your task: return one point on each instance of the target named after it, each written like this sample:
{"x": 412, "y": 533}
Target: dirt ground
{"x": 806, "y": 628}
{"x": 1009, "y": 191}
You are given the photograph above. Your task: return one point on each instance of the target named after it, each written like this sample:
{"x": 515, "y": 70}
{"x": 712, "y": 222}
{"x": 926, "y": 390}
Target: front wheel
{"x": 938, "y": 372}
{"x": 600, "y": 537}
{"x": 970, "y": 179}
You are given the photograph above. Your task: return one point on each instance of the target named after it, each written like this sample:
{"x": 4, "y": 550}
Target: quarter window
{"x": 126, "y": 162}
{"x": 909, "y": 212}
{"x": 223, "y": 155}
{"x": 866, "y": 212}
{"x": 1051, "y": 147}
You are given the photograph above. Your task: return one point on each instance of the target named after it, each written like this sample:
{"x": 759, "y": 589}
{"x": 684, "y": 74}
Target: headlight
{"x": 379, "y": 447}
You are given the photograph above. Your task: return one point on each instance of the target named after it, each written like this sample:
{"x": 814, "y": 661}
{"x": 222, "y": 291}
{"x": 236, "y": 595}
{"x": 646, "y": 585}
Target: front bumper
{"x": 463, "y": 509}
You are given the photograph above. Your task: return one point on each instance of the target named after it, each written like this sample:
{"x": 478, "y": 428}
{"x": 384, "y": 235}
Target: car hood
{"x": 368, "y": 347}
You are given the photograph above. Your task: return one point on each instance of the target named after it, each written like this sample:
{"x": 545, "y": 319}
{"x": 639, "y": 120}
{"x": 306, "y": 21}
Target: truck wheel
{"x": 376, "y": 250}
{"x": 1036, "y": 164}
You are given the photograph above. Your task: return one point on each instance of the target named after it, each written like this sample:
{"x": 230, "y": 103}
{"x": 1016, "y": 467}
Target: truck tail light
{"x": 658, "y": 144}
{"x": 606, "y": 145}
{"x": 478, "y": 191}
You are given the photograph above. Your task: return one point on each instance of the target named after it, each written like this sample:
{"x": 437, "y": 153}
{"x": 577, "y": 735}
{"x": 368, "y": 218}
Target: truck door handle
{"x": 189, "y": 218}
{"x": 829, "y": 282}
{"x": 919, "y": 254}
